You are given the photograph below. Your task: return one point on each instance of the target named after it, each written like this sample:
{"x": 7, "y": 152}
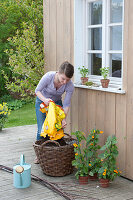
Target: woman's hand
{"x": 41, "y": 97}
{"x": 64, "y": 123}
{"x": 47, "y": 101}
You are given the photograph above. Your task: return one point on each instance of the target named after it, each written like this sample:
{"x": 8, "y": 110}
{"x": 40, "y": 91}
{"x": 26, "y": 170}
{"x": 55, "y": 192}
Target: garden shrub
{"x": 14, "y": 104}
{"x": 26, "y": 62}
{"x": 12, "y": 15}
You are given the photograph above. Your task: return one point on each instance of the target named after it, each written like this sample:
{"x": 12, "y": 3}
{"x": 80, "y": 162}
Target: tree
{"x": 12, "y": 15}
{"x": 26, "y": 62}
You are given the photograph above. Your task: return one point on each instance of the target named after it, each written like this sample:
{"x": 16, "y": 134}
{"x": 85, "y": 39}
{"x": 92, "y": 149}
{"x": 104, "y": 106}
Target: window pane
{"x": 116, "y": 38}
{"x": 95, "y": 63}
{"x": 116, "y": 11}
{"x": 116, "y": 63}
{"x": 95, "y": 13}
{"x": 95, "y": 39}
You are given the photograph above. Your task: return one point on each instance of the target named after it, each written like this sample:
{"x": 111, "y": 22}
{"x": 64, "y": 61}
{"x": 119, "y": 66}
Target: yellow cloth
{"x": 52, "y": 125}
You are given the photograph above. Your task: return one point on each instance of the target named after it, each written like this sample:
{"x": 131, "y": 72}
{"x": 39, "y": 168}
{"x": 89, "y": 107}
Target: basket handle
{"x": 69, "y": 136}
{"x": 50, "y": 141}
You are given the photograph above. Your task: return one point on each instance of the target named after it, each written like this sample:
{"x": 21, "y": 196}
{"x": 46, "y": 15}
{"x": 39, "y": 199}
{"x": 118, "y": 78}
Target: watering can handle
{"x": 22, "y": 160}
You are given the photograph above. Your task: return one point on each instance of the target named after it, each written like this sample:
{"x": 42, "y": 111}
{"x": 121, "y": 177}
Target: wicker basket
{"x": 55, "y": 160}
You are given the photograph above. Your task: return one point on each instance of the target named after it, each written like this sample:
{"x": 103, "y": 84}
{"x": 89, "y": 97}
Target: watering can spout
{"x": 22, "y": 159}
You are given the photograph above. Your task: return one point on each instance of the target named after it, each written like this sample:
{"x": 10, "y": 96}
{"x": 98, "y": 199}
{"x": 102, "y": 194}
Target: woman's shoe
{"x": 36, "y": 161}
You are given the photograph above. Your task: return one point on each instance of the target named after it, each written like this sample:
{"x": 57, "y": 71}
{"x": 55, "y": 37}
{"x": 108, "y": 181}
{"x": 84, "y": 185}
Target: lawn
{"x": 23, "y": 116}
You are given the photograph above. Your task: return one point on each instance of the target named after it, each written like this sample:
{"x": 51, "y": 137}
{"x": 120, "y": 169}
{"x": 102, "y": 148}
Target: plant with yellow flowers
{"x": 108, "y": 168}
{"x": 4, "y": 113}
{"x": 81, "y": 161}
{"x": 92, "y": 151}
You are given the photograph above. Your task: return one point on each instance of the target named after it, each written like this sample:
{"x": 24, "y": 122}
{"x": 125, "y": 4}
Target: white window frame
{"x": 114, "y": 81}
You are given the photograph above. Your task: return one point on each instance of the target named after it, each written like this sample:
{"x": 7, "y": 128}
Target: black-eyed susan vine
{"x": 92, "y": 144}
{"x": 80, "y": 162}
{"x": 88, "y": 161}
{"x": 86, "y": 158}
{"x": 108, "y": 169}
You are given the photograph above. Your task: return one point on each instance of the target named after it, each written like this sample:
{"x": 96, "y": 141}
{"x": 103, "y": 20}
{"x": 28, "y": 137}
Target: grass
{"x": 23, "y": 116}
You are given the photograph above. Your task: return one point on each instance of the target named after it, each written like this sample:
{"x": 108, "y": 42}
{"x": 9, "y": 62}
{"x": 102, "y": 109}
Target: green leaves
{"x": 83, "y": 71}
{"x": 79, "y": 135}
{"x": 90, "y": 154}
{"x": 26, "y": 62}
{"x": 87, "y": 158}
{"x": 103, "y": 148}
{"x": 12, "y": 15}
{"x": 109, "y": 159}
{"x": 80, "y": 162}
{"x": 4, "y": 113}
{"x": 104, "y": 72}
{"x": 101, "y": 170}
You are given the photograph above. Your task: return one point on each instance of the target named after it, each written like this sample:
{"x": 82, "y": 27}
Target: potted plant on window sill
{"x": 84, "y": 74}
{"x": 105, "y": 81}
{"x": 108, "y": 170}
{"x": 80, "y": 162}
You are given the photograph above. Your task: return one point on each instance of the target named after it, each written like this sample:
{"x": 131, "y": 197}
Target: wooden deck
{"x": 19, "y": 140}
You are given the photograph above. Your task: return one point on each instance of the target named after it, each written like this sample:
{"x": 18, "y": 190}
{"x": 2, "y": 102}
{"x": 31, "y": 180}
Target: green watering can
{"x": 22, "y": 174}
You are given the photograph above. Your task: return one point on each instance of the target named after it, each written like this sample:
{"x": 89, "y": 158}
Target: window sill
{"x": 99, "y": 88}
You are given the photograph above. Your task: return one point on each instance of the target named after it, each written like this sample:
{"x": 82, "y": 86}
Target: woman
{"x": 51, "y": 87}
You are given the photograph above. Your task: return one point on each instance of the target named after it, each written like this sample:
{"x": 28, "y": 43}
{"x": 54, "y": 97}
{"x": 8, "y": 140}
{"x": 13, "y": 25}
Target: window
{"x": 101, "y": 35}
{"x": 94, "y": 36}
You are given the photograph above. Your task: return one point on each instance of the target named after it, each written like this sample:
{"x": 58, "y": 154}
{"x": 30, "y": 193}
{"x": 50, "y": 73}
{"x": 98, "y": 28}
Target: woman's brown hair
{"x": 67, "y": 69}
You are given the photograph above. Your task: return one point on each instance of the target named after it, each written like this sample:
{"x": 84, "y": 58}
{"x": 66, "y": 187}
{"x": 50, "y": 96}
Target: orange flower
{"x": 116, "y": 171}
{"x": 101, "y": 159}
{"x": 75, "y": 145}
{"x": 101, "y": 132}
{"x": 89, "y": 164}
{"x": 93, "y": 136}
{"x": 91, "y": 144}
{"x": 76, "y": 154}
{"x": 104, "y": 173}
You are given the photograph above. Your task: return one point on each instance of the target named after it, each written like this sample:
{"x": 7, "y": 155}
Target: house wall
{"x": 110, "y": 112}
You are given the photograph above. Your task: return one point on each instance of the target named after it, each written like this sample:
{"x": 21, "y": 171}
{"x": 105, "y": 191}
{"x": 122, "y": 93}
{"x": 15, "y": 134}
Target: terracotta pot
{"x": 93, "y": 178}
{"x": 84, "y": 80}
{"x": 104, "y": 182}
{"x": 105, "y": 83}
{"x": 83, "y": 180}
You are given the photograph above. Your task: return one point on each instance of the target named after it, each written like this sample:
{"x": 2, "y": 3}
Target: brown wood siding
{"x": 129, "y": 94}
{"x": 110, "y": 112}
{"x": 58, "y": 35}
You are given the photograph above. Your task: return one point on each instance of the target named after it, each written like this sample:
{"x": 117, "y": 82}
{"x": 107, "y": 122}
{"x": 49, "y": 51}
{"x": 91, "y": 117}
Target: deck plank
{"x": 19, "y": 140}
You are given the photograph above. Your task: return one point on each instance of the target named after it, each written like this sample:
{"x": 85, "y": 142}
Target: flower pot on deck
{"x": 93, "y": 178}
{"x": 104, "y": 182}
{"x": 83, "y": 180}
